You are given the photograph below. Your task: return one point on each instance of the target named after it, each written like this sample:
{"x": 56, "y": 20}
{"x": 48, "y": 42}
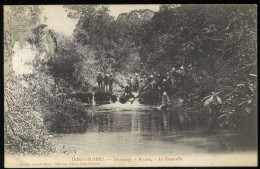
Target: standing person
{"x": 137, "y": 81}
{"x": 168, "y": 77}
{"x": 168, "y": 81}
{"x": 190, "y": 68}
{"x": 154, "y": 74}
{"x": 99, "y": 80}
{"x": 179, "y": 79}
{"x": 159, "y": 80}
{"x": 173, "y": 77}
{"x": 164, "y": 85}
{"x": 131, "y": 85}
{"x": 111, "y": 80}
{"x": 182, "y": 70}
{"x": 141, "y": 85}
{"x": 150, "y": 79}
{"x": 182, "y": 78}
{"x": 106, "y": 81}
{"x": 144, "y": 79}
{"x": 115, "y": 81}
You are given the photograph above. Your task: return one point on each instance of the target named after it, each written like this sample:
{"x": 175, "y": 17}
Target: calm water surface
{"x": 144, "y": 130}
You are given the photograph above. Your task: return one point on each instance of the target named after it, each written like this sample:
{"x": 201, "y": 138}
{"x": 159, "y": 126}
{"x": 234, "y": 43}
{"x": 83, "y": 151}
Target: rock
{"x": 84, "y": 97}
{"x": 123, "y": 100}
{"x": 164, "y": 108}
{"x": 149, "y": 97}
{"x": 113, "y": 98}
{"x": 102, "y": 97}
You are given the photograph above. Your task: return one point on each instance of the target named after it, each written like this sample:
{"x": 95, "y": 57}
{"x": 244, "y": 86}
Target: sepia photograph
{"x": 130, "y": 85}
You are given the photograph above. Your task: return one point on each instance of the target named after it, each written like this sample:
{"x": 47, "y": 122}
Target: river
{"x": 136, "y": 129}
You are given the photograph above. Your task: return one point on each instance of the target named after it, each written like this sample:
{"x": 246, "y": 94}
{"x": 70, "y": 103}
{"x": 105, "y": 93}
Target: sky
{"x": 57, "y": 16}
{"x": 115, "y": 10}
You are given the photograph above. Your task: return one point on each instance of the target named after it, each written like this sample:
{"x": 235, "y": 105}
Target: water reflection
{"x": 140, "y": 129}
{"x": 141, "y": 120}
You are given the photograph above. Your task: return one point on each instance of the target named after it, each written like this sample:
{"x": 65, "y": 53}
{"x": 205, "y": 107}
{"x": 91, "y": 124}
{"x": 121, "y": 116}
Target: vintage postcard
{"x": 130, "y": 85}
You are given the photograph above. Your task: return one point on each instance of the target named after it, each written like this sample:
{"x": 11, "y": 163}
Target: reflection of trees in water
{"x": 167, "y": 121}
{"x": 102, "y": 121}
{"x": 172, "y": 121}
{"x": 105, "y": 122}
{"x": 152, "y": 122}
{"x": 136, "y": 123}
{"x": 180, "y": 119}
{"x": 184, "y": 118}
{"x": 183, "y": 125}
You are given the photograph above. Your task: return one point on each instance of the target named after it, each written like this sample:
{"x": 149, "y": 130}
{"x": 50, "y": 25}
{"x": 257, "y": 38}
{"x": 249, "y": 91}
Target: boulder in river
{"x": 150, "y": 97}
{"x": 102, "y": 97}
{"x": 84, "y": 97}
{"x": 113, "y": 98}
{"x": 123, "y": 99}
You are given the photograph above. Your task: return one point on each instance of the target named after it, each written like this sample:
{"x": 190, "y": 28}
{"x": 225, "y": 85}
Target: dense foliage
{"x": 31, "y": 92}
{"x": 219, "y": 41}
